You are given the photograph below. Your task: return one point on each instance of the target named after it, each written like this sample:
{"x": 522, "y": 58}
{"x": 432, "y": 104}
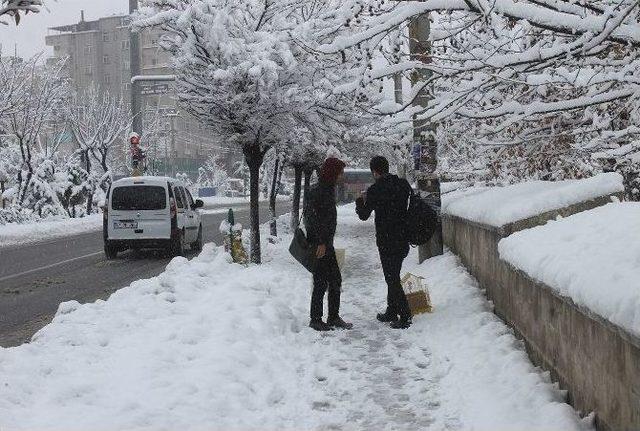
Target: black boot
{"x": 337, "y": 322}
{"x": 387, "y": 317}
{"x": 403, "y": 323}
{"x": 319, "y": 325}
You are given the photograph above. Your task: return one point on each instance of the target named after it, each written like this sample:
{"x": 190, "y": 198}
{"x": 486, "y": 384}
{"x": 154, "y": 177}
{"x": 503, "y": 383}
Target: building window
{"x": 126, "y": 64}
{"x": 56, "y": 48}
{"x": 125, "y": 21}
{"x": 88, "y": 50}
{"x": 127, "y": 86}
{"x": 105, "y": 36}
{"x": 154, "y": 61}
{"x": 107, "y": 79}
{"x": 88, "y": 70}
{"x": 154, "y": 42}
{"x": 125, "y": 44}
{"x": 105, "y": 59}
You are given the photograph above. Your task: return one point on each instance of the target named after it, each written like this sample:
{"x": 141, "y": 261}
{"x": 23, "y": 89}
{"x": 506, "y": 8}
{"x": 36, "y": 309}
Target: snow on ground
{"x": 497, "y": 206}
{"x": 209, "y": 345}
{"x": 14, "y": 233}
{"x": 592, "y": 257}
{"x": 224, "y": 200}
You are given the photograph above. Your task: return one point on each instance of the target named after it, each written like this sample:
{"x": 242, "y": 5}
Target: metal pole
{"x": 134, "y": 50}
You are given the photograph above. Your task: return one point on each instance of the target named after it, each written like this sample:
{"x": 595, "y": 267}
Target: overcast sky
{"x": 29, "y": 35}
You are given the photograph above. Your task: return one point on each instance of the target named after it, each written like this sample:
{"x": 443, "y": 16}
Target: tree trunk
{"x": 400, "y": 149}
{"x": 297, "y": 189}
{"x": 25, "y": 151}
{"x": 307, "y": 185}
{"x": 90, "y": 197}
{"x": 254, "y": 157}
{"x": 272, "y": 197}
{"x": 2, "y": 193}
{"x": 424, "y": 131}
{"x": 103, "y": 160}
{"x": 25, "y": 187}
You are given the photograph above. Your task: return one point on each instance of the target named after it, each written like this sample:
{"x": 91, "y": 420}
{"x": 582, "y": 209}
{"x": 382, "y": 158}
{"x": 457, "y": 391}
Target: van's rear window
{"x": 135, "y": 198}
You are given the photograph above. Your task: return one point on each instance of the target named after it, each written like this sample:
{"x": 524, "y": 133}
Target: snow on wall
{"x": 498, "y": 206}
{"x": 592, "y": 257}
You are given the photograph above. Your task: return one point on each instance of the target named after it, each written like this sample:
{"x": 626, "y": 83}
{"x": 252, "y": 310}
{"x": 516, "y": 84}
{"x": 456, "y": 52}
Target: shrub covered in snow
{"x": 16, "y": 214}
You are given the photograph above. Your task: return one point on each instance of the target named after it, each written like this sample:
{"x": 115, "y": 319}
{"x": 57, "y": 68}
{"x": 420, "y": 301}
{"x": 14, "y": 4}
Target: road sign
{"x": 149, "y": 89}
{"x": 168, "y": 111}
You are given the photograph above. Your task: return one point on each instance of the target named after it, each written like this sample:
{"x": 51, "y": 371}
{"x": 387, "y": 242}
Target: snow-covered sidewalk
{"x": 210, "y": 345}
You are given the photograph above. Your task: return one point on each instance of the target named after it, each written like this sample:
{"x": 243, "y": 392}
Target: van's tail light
{"x": 105, "y": 212}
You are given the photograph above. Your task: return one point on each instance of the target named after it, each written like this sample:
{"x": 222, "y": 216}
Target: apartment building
{"x": 98, "y": 53}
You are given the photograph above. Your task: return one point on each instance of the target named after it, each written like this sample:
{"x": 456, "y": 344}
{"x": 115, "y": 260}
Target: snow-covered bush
{"x": 213, "y": 174}
{"x": 630, "y": 171}
{"x": 16, "y": 214}
{"x": 72, "y": 190}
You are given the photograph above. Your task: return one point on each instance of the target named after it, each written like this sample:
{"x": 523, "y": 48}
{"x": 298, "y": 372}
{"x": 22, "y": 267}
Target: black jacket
{"x": 389, "y": 198}
{"x": 321, "y": 215}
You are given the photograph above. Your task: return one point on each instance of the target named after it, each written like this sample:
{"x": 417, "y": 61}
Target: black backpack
{"x": 422, "y": 220}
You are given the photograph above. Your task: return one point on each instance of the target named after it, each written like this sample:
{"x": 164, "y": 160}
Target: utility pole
{"x": 134, "y": 50}
{"x": 173, "y": 143}
{"x": 423, "y": 130}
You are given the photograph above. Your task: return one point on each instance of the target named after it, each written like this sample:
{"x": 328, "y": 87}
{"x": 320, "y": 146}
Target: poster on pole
{"x": 416, "y": 153}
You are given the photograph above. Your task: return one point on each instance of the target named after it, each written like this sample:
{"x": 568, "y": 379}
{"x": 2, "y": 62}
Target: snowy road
{"x": 36, "y": 277}
{"x": 209, "y": 345}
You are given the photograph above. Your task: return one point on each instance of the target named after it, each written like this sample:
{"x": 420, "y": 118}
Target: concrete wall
{"x": 597, "y": 362}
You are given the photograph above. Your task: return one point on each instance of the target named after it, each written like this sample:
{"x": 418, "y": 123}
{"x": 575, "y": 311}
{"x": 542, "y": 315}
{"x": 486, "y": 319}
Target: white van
{"x": 151, "y": 212}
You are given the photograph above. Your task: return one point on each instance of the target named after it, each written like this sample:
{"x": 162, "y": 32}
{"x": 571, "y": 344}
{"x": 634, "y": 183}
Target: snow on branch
{"x": 16, "y": 8}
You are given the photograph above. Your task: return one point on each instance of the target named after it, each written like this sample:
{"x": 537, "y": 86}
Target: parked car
{"x": 151, "y": 212}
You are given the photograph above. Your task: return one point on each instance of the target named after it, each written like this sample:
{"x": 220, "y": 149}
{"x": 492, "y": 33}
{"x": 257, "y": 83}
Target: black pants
{"x": 326, "y": 277}
{"x": 396, "y": 299}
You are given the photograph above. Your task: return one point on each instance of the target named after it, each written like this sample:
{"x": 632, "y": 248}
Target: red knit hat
{"x": 331, "y": 169}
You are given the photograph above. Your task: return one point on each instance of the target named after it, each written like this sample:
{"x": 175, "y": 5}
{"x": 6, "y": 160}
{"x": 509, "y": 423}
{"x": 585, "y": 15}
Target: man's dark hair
{"x": 379, "y": 164}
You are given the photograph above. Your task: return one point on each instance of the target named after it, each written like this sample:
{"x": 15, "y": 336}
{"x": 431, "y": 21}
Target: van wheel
{"x": 110, "y": 250}
{"x": 197, "y": 245}
{"x": 177, "y": 245}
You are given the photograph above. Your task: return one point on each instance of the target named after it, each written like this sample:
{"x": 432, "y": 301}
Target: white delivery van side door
{"x": 181, "y": 215}
{"x": 194, "y": 216}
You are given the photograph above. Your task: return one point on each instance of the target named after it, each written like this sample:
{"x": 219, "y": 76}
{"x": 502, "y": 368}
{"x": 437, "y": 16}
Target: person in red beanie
{"x": 320, "y": 218}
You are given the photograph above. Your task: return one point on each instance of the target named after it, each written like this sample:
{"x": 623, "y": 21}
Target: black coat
{"x": 321, "y": 215}
{"x": 389, "y": 198}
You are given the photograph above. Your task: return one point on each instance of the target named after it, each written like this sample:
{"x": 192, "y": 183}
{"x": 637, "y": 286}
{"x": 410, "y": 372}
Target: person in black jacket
{"x": 389, "y": 198}
{"x": 320, "y": 217}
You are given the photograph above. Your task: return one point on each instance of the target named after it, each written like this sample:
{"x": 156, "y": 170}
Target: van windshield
{"x": 135, "y": 198}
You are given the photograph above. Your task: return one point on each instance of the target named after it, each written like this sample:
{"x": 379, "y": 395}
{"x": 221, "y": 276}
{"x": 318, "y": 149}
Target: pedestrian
{"x": 320, "y": 217}
{"x": 389, "y": 197}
